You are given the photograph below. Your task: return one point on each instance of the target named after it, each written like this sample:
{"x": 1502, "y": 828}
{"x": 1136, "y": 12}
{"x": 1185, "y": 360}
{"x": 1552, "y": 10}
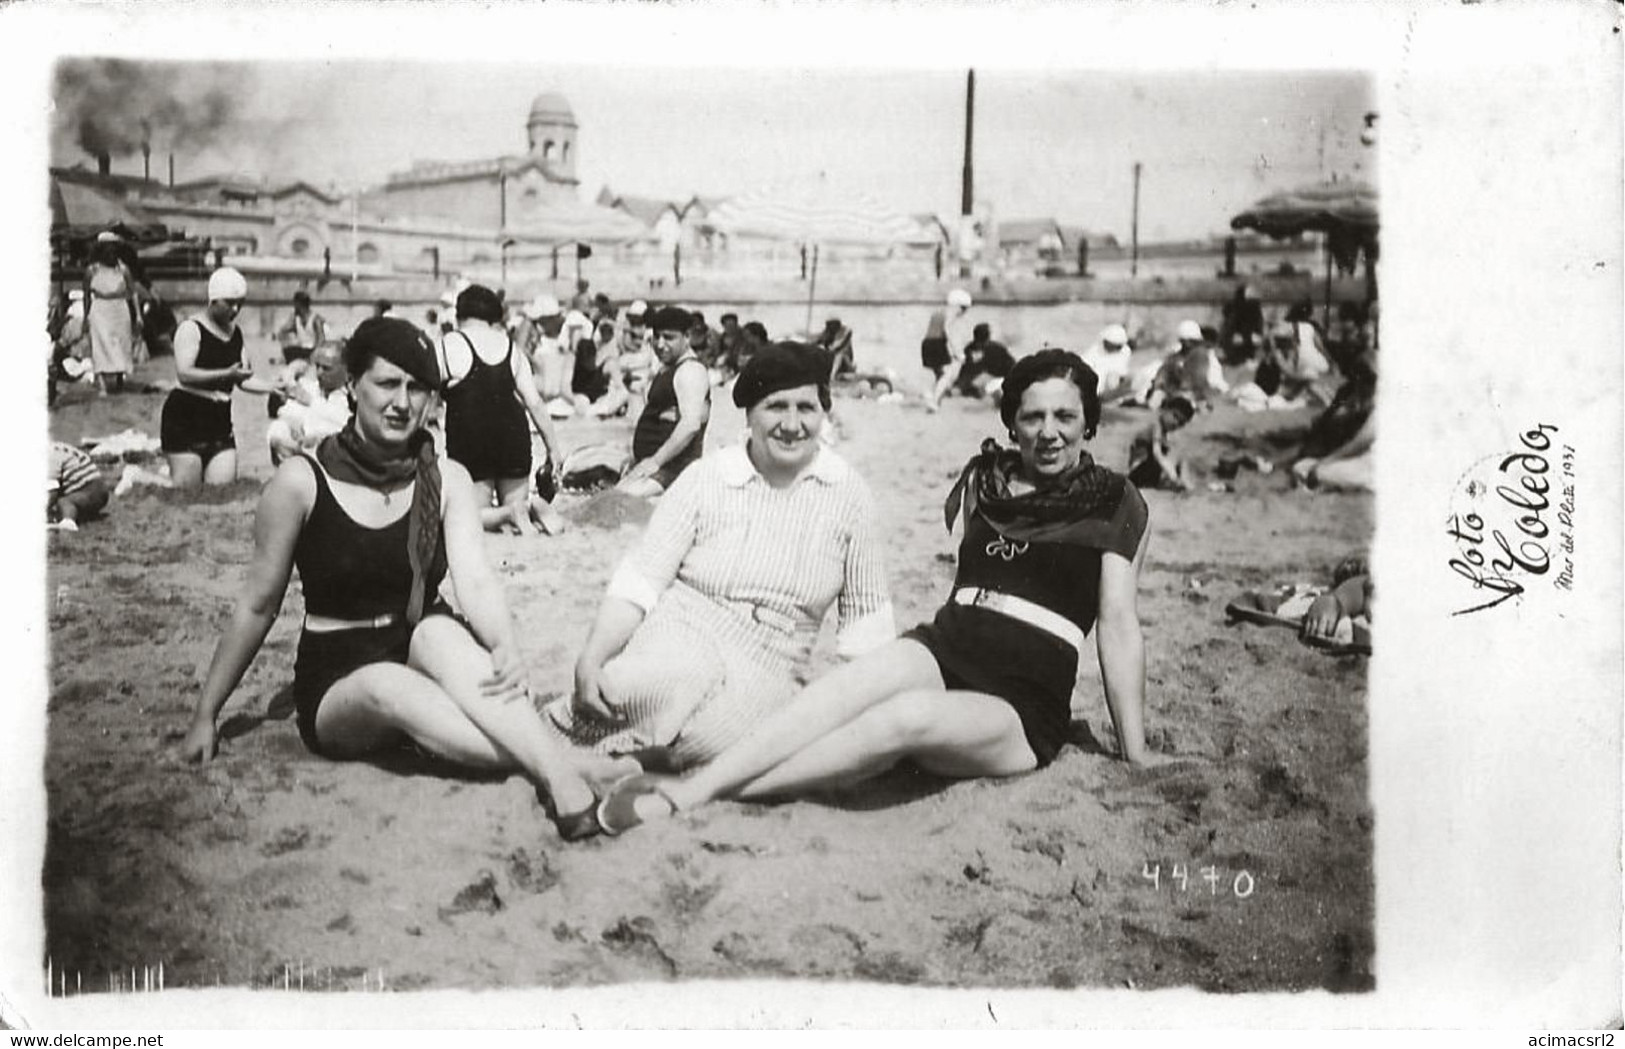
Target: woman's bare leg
{"x": 443, "y": 649}
{"x": 962, "y": 735}
{"x": 222, "y": 468}
{"x": 814, "y": 712}
{"x": 376, "y": 705}
{"x": 185, "y": 469}
{"x": 496, "y": 515}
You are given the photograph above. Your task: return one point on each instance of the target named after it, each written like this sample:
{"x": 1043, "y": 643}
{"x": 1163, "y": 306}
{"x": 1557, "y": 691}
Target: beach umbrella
{"x": 1344, "y": 210}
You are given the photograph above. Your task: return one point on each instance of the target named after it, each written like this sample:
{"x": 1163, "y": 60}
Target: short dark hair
{"x": 301, "y": 298}
{"x": 479, "y": 302}
{"x": 757, "y": 328}
{"x": 981, "y": 331}
{"x": 669, "y": 318}
{"x": 1182, "y": 407}
{"x": 726, "y": 317}
{"x": 1052, "y": 364}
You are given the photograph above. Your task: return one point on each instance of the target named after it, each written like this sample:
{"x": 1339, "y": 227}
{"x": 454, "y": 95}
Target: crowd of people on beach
{"x": 398, "y": 445}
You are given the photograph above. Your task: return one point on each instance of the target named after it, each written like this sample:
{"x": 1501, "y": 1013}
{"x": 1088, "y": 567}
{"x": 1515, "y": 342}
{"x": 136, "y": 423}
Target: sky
{"x": 1047, "y": 144}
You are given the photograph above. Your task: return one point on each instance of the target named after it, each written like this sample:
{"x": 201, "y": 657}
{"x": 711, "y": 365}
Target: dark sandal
{"x": 618, "y": 813}
{"x": 579, "y": 826}
{"x": 573, "y": 826}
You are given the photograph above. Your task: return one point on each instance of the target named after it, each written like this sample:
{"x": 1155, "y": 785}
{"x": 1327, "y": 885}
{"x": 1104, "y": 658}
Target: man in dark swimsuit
{"x": 670, "y": 433}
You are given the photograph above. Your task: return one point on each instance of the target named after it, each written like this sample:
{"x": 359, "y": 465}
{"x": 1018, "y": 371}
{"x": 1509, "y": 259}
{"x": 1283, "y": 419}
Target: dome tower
{"x": 551, "y": 131}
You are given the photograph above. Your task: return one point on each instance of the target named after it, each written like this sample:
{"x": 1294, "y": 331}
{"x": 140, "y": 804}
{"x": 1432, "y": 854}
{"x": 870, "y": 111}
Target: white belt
{"x": 1028, "y": 612}
{"x": 331, "y": 624}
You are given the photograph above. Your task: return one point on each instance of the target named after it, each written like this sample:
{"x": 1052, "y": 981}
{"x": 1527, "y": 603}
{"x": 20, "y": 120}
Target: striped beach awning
{"x": 569, "y": 222}
{"x": 811, "y": 219}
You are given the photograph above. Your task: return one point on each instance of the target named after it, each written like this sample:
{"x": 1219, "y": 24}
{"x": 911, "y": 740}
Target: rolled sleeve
{"x": 866, "y": 633}
{"x": 629, "y": 584}
{"x": 652, "y": 565}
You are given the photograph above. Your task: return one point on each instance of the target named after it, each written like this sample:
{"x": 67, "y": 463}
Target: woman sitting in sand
{"x": 708, "y": 625}
{"x": 374, "y": 521}
{"x": 1052, "y": 547}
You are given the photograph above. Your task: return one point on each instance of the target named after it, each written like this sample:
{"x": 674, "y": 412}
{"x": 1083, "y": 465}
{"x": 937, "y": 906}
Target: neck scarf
{"x": 349, "y": 458}
{"x": 1088, "y": 505}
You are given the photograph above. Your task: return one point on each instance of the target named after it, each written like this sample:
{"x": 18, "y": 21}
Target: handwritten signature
{"x": 1509, "y": 543}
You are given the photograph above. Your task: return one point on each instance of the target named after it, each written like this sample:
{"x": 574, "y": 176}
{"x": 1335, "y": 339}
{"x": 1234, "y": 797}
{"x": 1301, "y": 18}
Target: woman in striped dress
{"x": 709, "y": 624}
{"x": 1051, "y": 550}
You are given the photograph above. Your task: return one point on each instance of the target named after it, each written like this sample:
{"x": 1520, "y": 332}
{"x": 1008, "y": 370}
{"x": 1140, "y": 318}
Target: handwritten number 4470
{"x": 1241, "y": 884}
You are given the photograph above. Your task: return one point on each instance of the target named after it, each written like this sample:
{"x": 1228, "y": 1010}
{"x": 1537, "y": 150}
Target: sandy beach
{"x": 1247, "y": 867}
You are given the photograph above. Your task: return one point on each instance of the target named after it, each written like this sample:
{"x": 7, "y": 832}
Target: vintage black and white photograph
{"x": 522, "y": 522}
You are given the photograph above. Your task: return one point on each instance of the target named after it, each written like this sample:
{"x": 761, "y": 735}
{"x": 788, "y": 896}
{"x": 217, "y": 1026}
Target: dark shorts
{"x": 192, "y": 425}
{"x": 1147, "y": 474}
{"x": 502, "y": 459}
{"x": 325, "y": 659}
{"x": 981, "y": 651}
{"x": 667, "y": 475}
{"x": 934, "y": 354}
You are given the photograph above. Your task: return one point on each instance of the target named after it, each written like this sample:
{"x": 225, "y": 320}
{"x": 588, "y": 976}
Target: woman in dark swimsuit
{"x": 1052, "y": 548}
{"x": 374, "y": 521}
{"x": 195, "y": 428}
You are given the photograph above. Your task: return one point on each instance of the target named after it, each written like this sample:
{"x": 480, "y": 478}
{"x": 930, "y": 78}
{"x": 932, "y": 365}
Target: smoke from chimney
{"x": 116, "y": 107}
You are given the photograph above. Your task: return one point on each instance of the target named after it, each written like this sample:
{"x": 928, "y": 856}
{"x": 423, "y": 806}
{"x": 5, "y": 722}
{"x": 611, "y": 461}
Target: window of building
{"x": 300, "y": 246}
{"x": 547, "y": 150}
{"x": 367, "y": 253}
{"x": 564, "y": 153}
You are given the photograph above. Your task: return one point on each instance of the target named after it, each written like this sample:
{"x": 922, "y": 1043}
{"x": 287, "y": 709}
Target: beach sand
{"x": 1246, "y": 868}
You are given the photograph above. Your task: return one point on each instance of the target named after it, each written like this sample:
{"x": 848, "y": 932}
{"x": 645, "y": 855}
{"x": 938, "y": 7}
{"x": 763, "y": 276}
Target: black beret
{"x": 397, "y": 341}
{"x": 669, "y": 318}
{"x": 781, "y": 366}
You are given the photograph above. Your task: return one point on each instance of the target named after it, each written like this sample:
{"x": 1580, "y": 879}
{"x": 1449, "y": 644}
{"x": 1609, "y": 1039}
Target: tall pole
{"x": 1134, "y": 228}
{"x": 966, "y": 188}
{"x": 966, "y": 176}
{"x": 355, "y": 235}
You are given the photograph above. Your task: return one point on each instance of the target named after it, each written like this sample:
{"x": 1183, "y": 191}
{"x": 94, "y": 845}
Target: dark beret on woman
{"x": 399, "y": 342}
{"x": 782, "y": 366}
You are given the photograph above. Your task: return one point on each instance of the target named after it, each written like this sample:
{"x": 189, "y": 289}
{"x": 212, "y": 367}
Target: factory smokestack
{"x": 104, "y": 163}
{"x": 172, "y": 171}
{"x": 146, "y": 162}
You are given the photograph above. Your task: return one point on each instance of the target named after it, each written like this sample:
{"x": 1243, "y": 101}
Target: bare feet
{"x": 519, "y": 518}
{"x": 542, "y": 512}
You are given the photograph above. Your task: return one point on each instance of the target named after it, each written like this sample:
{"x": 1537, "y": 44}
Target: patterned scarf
{"x": 1086, "y": 506}
{"x": 347, "y": 457}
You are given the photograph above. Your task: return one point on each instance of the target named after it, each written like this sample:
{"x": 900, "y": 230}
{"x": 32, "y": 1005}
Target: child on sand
{"x": 74, "y": 488}
{"x": 1151, "y": 459}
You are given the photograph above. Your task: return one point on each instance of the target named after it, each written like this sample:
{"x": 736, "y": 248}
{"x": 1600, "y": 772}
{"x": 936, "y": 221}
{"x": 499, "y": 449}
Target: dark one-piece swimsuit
{"x": 1031, "y": 669}
{"x": 352, "y": 572}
